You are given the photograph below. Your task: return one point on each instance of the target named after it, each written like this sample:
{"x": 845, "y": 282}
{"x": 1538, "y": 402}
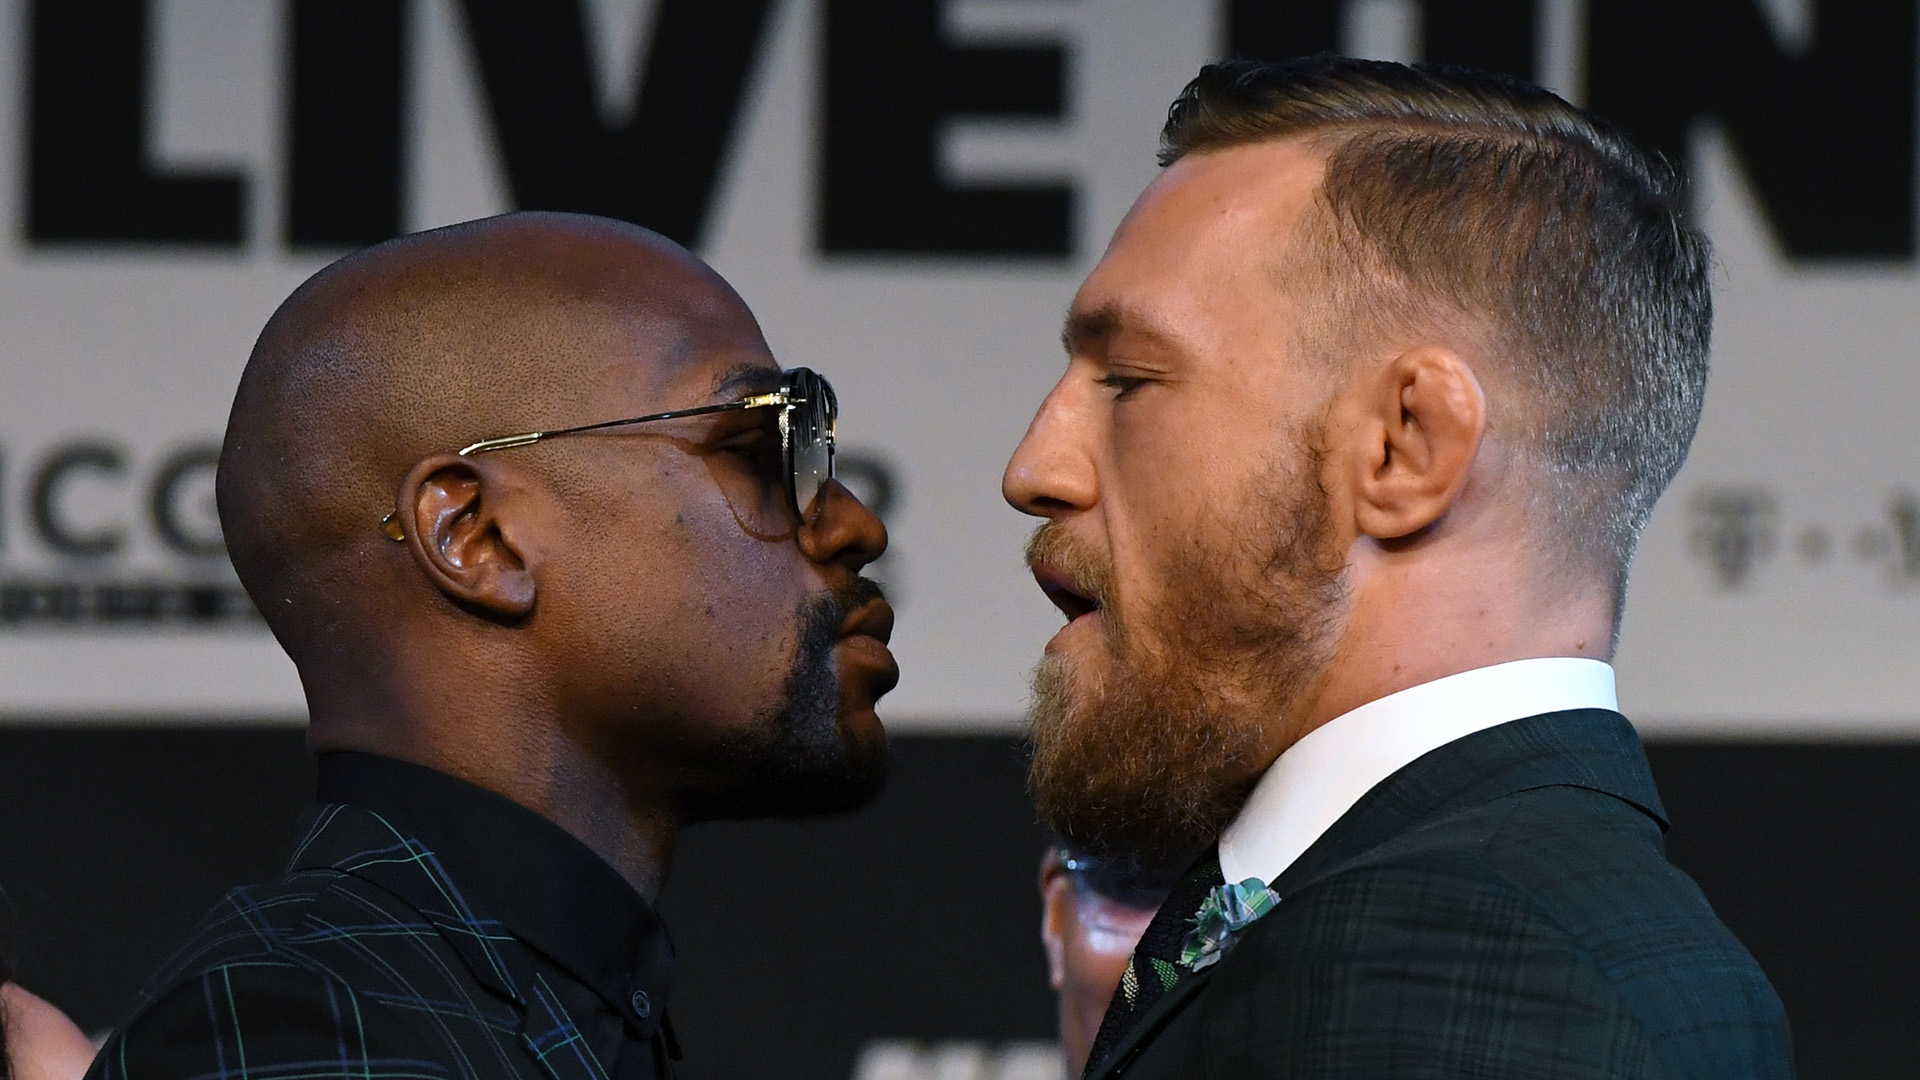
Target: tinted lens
{"x": 810, "y": 436}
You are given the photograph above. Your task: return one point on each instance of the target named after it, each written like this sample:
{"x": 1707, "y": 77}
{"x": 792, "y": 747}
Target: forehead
{"x": 1208, "y": 235}
{"x": 705, "y": 345}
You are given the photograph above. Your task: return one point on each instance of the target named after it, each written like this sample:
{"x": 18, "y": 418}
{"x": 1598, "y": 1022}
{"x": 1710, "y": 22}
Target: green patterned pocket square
{"x": 1227, "y": 910}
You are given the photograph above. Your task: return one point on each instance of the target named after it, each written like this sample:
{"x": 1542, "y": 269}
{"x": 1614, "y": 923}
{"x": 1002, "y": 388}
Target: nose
{"x": 1050, "y": 473}
{"x": 840, "y": 529}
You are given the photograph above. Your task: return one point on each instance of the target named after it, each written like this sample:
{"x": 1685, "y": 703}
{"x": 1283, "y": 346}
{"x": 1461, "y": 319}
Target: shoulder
{"x": 318, "y": 964}
{"x": 260, "y": 1018}
{"x": 292, "y": 922}
{"x": 1539, "y": 934}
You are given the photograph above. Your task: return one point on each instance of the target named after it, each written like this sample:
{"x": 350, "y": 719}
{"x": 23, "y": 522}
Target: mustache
{"x": 821, "y": 619}
{"x": 1090, "y": 572}
{"x": 856, "y": 594}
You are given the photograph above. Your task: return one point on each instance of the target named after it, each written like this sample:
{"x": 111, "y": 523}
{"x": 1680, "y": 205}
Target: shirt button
{"x": 642, "y": 1004}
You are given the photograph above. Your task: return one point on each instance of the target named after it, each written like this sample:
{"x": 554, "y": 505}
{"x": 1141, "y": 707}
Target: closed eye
{"x": 757, "y": 444}
{"x": 749, "y": 441}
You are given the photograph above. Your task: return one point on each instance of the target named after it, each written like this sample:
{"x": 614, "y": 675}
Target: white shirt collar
{"x": 1319, "y": 778}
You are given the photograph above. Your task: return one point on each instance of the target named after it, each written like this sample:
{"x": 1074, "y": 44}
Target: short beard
{"x": 797, "y": 759}
{"x": 1143, "y": 764}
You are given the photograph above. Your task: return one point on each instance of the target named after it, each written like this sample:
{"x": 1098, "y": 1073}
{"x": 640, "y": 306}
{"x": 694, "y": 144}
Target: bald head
{"x": 422, "y": 345}
{"x": 623, "y": 630}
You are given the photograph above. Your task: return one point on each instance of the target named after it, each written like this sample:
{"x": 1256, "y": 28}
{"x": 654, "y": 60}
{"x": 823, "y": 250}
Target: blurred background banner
{"x": 907, "y": 192}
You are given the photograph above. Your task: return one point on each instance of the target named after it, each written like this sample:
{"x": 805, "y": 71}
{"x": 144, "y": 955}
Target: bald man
{"x": 556, "y": 549}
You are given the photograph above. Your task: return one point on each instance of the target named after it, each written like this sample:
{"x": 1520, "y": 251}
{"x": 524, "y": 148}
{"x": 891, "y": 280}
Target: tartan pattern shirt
{"x": 380, "y": 956}
{"x": 1500, "y": 908}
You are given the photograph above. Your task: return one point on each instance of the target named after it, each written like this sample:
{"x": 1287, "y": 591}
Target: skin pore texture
{"x": 1252, "y": 527}
{"x": 623, "y": 631}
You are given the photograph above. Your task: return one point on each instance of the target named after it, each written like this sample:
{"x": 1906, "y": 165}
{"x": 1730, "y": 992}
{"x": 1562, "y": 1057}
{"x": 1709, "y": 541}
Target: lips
{"x": 867, "y": 666}
{"x": 1065, "y": 593}
{"x": 872, "y": 619}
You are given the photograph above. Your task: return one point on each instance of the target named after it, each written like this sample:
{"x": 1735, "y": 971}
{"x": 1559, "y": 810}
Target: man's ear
{"x": 455, "y": 527}
{"x": 1056, "y": 912}
{"x": 1423, "y": 420}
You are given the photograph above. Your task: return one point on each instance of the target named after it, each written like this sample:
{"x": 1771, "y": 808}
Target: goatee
{"x": 798, "y": 759}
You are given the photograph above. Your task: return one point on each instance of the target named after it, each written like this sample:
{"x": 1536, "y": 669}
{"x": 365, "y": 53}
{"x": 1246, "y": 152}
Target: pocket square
{"x": 1226, "y": 910}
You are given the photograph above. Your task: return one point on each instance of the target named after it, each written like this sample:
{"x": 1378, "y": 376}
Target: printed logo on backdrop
{"x": 1792, "y": 98}
{"x": 93, "y": 536}
{"x": 1739, "y": 534}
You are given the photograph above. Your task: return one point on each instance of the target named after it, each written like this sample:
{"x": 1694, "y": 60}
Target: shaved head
{"x": 424, "y": 344}
{"x": 637, "y": 610}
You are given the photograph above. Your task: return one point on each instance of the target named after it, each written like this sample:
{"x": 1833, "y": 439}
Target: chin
{"x": 775, "y": 775}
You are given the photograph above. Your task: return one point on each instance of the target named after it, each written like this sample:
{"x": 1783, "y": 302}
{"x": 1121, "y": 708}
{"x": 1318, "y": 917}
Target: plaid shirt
{"x": 366, "y": 962}
{"x": 1500, "y": 908}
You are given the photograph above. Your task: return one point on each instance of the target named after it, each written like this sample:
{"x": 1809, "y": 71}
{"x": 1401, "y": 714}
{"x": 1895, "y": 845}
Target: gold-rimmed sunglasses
{"x": 809, "y": 414}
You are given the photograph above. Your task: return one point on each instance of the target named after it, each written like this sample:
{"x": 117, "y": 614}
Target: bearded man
{"x": 556, "y": 548}
{"x": 1365, "y": 408}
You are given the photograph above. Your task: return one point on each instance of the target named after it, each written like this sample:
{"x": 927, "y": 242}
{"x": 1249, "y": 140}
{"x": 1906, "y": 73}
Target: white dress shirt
{"x": 1320, "y": 777}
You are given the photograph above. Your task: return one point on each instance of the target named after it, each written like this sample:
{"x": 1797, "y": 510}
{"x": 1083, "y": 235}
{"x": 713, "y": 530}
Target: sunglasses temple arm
{"x": 758, "y": 401}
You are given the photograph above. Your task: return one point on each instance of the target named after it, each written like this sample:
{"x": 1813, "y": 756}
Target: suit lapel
{"x": 1150, "y": 1024}
{"x": 1588, "y": 748}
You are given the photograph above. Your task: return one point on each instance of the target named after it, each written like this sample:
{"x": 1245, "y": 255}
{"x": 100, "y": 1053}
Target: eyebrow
{"x": 745, "y": 380}
{"x": 1084, "y": 329}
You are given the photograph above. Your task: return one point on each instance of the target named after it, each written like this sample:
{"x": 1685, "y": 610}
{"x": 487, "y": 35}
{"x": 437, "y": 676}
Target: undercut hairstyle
{"x": 1457, "y": 198}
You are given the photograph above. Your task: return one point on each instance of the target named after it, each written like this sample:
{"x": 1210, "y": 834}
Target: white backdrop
{"x": 1777, "y": 592}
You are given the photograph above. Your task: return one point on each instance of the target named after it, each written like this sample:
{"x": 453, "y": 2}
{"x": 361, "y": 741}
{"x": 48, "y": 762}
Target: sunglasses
{"x": 809, "y": 414}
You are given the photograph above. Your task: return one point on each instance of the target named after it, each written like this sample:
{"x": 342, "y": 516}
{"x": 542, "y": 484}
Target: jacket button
{"x": 642, "y": 1004}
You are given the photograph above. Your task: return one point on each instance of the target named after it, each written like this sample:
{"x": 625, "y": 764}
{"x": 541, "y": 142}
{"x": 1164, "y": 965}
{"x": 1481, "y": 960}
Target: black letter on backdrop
{"x": 891, "y": 82}
{"x": 660, "y": 168}
{"x": 1281, "y": 29}
{"x": 88, "y": 178}
{"x": 1492, "y": 35}
{"x": 1496, "y": 35}
{"x": 1826, "y": 137}
{"x": 347, "y": 61}
{"x": 45, "y": 509}
{"x": 163, "y": 503}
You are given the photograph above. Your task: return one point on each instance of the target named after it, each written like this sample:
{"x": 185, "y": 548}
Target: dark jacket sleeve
{"x": 267, "y": 1021}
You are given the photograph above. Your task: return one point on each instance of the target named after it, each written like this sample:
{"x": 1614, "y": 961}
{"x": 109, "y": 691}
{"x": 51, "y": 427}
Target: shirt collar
{"x": 1319, "y": 778}
{"x": 549, "y": 889}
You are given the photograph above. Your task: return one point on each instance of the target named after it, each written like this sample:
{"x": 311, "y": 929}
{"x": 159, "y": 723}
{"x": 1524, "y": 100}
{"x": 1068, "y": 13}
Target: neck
{"x": 1411, "y": 622}
{"x": 529, "y": 762}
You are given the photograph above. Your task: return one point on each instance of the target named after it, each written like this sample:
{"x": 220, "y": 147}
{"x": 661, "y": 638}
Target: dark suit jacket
{"x": 1502, "y": 907}
{"x": 364, "y": 962}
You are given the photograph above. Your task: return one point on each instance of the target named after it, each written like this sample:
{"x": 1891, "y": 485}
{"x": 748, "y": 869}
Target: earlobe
{"x": 1427, "y": 415}
{"x": 458, "y": 530}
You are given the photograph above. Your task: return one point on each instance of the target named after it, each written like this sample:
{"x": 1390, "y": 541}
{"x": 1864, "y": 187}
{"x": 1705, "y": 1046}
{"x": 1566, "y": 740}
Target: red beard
{"x": 1143, "y": 757}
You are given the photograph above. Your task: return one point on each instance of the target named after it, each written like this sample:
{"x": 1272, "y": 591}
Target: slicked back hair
{"x": 1453, "y": 196}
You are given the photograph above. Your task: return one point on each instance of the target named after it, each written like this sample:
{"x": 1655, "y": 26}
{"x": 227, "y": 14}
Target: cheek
{"x": 688, "y": 606}
{"x": 736, "y": 597}
{"x": 1176, "y": 478}
{"x": 1155, "y": 498}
